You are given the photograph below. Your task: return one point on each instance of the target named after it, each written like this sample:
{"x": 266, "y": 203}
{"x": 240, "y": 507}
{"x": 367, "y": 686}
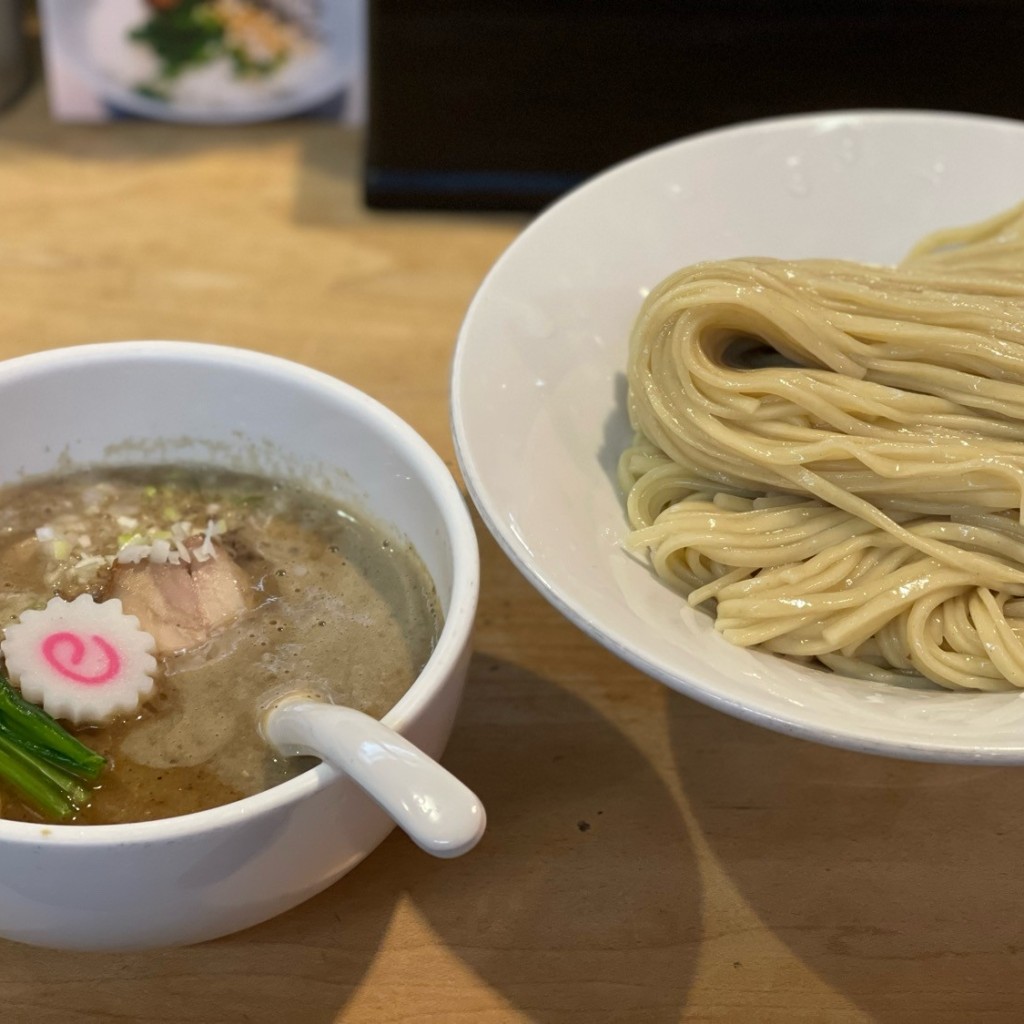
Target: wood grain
{"x": 648, "y": 860}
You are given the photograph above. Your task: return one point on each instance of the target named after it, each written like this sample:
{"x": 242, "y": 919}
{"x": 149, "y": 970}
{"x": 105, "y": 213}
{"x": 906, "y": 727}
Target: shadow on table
{"x": 581, "y": 903}
{"x": 328, "y": 183}
{"x": 327, "y": 186}
{"x": 897, "y": 883}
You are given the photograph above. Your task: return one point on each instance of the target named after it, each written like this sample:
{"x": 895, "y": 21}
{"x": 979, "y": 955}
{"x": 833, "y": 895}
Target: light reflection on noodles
{"x": 831, "y": 455}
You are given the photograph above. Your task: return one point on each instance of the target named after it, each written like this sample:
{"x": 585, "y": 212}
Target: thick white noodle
{"x": 830, "y": 455}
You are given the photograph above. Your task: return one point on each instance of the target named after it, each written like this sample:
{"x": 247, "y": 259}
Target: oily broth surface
{"x": 342, "y": 609}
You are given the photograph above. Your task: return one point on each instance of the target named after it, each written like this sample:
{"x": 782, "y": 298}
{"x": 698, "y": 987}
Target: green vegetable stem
{"x": 41, "y": 760}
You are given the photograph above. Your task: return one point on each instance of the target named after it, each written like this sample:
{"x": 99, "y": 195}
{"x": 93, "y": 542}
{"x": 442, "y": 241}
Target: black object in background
{"x": 477, "y": 104}
{"x": 15, "y": 61}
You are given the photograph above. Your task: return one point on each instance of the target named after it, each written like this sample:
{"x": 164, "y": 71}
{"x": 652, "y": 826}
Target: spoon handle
{"x": 439, "y": 813}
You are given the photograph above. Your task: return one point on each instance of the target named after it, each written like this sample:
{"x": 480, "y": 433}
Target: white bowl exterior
{"x": 161, "y": 887}
{"x": 538, "y": 386}
{"x": 199, "y": 876}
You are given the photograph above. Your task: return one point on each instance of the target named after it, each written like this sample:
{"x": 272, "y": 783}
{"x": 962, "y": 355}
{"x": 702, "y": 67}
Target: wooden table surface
{"x": 648, "y": 859}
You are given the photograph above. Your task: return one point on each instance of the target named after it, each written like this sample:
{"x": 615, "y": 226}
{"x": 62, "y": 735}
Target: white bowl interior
{"x": 538, "y": 386}
{"x": 172, "y": 402}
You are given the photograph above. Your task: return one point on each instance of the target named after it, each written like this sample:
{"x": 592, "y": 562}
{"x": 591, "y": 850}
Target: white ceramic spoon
{"x": 439, "y": 813}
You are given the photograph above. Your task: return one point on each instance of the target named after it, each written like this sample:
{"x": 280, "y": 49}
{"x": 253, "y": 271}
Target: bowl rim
{"x": 455, "y": 633}
{"x": 563, "y": 600}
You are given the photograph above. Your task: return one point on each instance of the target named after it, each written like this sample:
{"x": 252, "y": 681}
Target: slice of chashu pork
{"x": 182, "y": 605}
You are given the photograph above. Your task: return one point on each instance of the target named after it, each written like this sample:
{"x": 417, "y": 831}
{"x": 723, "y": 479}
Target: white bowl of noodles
{"x": 197, "y": 875}
{"x": 540, "y": 394}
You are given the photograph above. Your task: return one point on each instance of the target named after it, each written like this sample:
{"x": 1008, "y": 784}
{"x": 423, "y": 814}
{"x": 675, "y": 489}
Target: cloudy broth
{"x": 339, "y": 607}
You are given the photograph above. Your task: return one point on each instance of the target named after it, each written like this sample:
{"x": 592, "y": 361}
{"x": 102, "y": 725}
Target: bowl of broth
{"x": 348, "y": 576}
